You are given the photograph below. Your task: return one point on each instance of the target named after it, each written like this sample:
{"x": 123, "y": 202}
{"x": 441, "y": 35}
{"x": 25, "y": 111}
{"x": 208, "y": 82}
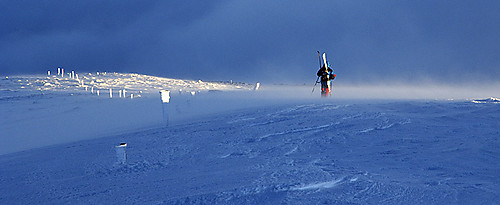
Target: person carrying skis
{"x": 326, "y": 74}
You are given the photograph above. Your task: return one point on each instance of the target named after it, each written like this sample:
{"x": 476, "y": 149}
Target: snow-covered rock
{"x": 487, "y": 100}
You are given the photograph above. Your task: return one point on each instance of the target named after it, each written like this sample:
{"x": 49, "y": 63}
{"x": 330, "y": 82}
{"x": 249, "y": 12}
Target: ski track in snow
{"x": 322, "y": 185}
{"x": 383, "y": 127}
{"x": 299, "y": 130}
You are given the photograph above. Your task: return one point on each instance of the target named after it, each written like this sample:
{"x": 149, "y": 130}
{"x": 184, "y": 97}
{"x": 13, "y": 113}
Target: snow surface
{"x": 241, "y": 147}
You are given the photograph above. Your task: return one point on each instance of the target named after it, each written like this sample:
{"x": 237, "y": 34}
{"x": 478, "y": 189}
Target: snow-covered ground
{"x": 243, "y": 147}
{"x": 39, "y": 110}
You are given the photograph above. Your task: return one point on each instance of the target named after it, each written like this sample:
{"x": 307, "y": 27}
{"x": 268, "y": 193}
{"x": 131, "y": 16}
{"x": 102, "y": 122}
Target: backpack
{"x": 332, "y": 76}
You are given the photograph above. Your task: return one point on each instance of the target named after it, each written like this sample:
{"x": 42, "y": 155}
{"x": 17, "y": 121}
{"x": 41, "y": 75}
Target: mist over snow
{"x": 41, "y": 110}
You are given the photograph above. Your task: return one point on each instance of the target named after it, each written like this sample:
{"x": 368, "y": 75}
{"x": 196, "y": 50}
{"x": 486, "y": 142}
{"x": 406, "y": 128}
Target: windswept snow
{"x": 416, "y": 152}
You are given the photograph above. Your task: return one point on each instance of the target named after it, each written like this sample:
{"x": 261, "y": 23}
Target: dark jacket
{"x": 325, "y": 76}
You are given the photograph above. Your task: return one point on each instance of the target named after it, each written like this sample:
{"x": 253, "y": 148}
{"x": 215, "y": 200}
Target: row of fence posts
{"x": 60, "y": 72}
{"x": 122, "y": 93}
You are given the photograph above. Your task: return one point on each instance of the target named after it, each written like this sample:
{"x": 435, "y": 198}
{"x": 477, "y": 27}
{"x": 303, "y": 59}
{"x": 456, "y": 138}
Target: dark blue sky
{"x": 266, "y": 41}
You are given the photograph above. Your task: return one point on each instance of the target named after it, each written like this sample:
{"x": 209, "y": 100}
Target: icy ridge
{"x": 487, "y": 100}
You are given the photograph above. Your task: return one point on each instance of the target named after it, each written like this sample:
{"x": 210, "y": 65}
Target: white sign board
{"x": 165, "y": 96}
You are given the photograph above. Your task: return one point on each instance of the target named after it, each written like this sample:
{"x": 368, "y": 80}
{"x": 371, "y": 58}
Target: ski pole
{"x": 319, "y": 55}
{"x": 315, "y": 85}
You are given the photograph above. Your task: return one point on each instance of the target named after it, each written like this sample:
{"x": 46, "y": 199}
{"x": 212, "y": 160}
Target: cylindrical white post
{"x": 62, "y": 72}
{"x": 97, "y": 92}
{"x": 92, "y": 90}
{"x": 120, "y": 93}
{"x": 124, "y": 95}
{"x": 257, "y": 85}
{"x": 86, "y": 88}
{"x": 58, "y": 71}
{"x": 48, "y": 72}
{"x": 110, "y": 93}
{"x": 77, "y": 77}
{"x": 165, "y": 99}
{"x": 73, "y": 74}
{"x": 121, "y": 153}
{"x": 132, "y": 96}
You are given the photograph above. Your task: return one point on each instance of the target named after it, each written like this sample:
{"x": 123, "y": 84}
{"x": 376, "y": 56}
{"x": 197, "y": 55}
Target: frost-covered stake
{"x": 165, "y": 99}
{"x": 257, "y": 85}
{"x": 110, "y": 93}
{"x": 121, "y": 153}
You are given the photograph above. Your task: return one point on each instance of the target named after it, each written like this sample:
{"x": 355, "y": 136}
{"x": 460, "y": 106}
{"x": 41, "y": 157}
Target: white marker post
{"x": 165, "y": 99}
{"x": 97, "y": 92}
{"x": 121, "y": 153}
{"x": 120, "y": 93}
{"x": 124, "y": 95}
{"x": 110, "y": 93}
{"x": 62, "y": 72}
{"x": 257, "y": 86}
{"x": 73, "y": 74}
{"x": 92, "y": 90}
{"x": 48, "y": 72}
{"x": 58, "y": 71}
